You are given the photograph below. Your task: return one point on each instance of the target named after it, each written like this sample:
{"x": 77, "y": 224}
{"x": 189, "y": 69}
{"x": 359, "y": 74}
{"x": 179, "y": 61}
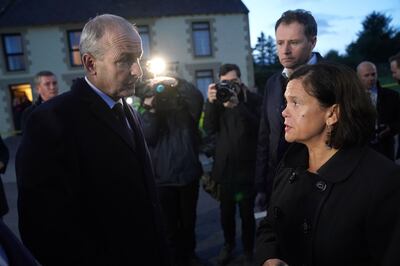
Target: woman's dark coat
{"x": 347, "y": 214}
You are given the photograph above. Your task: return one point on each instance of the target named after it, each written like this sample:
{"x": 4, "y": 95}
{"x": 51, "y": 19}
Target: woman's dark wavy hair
{"x": 338, "y": 84}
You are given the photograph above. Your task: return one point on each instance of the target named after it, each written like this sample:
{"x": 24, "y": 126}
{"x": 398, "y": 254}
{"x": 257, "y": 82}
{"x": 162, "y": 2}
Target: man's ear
{"x": 89, "y": 63}
{"x": 313, "y": 42}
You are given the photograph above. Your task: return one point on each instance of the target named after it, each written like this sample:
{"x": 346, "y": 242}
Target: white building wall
{"x": 47, "y": 49}
{"x": 173, "y": 41}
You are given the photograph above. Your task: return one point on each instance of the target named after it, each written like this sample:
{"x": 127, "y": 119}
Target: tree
{"x": 265, "y": 51}
{"x": 376, "y": 42}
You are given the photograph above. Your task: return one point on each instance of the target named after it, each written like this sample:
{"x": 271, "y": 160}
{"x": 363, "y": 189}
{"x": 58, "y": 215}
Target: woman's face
{"x": 305, "y": 118}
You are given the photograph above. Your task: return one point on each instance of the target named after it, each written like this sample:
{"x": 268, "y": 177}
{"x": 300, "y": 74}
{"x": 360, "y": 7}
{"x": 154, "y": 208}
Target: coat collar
{"x": 100, "y": 109}
{"x": 336, "y": 169}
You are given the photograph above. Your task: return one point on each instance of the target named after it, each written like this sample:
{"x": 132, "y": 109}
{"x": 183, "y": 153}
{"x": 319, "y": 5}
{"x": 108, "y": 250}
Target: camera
{"x": 164, "y": 90}
{"x": 226, "y": 89}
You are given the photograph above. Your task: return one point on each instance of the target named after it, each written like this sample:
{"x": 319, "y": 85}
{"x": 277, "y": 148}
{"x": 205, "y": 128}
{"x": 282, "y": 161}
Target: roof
{"x": 19, "y": 13}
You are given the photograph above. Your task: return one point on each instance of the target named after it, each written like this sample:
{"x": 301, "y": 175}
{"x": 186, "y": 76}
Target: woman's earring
{"x": 328, "y": 141}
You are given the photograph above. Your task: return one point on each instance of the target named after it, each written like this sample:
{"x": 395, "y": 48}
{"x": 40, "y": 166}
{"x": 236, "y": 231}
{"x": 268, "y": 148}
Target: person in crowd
{"x": 335, "y": 199}
{"x": 4, "y": 157}
{"x": 19, "y": 104}
{"x": 387, "y": 104}
{"x": 296, "y": 36}
{"x": 46, "y": 87}
{"x": 12, "y": 252}
{"x": 394, "y": 62}
{"x": 86, "y": 191}
{"x": 232, "y": 112}
{"x": 171, "y": 113}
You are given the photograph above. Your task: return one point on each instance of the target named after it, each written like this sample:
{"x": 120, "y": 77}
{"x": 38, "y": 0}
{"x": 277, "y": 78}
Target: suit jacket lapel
{"x": 140, "y": 140}
{"x": 101, "y": 110}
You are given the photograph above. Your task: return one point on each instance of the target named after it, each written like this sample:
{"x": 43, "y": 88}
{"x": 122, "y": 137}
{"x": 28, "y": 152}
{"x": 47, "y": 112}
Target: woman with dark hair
{"x": 335, "y": 200}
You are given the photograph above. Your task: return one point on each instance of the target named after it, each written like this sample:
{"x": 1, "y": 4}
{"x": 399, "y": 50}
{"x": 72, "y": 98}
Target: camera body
{"x": 164, "y": 90}
{"x": 226, "y": 89}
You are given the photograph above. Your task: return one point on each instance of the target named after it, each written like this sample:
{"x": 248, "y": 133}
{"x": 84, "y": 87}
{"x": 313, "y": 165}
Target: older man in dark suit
{"x": 86, "y": 187}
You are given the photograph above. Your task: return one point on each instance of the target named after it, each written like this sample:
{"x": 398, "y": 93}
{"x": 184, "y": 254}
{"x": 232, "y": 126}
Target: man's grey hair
{"x": 95, "y": 29}
{"x": 44, "y": 73}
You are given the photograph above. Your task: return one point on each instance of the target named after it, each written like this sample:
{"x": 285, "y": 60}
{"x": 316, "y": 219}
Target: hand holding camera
{"x": 224, "y": 92}
{"x": 160, "y": 94}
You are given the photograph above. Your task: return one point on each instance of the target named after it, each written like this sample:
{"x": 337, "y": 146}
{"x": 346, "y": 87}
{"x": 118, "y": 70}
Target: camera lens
{"x": 224, "y": 91}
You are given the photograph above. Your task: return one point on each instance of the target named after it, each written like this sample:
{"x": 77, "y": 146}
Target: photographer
{"x": 172, "y": 109}
{"x": 232, "y": 112}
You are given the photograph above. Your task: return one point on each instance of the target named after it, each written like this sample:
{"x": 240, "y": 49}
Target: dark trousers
{"x": 244, "y": 198}
{"x": 178, "y": 204}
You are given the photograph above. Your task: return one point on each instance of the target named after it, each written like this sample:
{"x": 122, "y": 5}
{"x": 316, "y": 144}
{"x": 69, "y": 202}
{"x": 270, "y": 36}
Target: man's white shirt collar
{"x": 109, "y": 101}
{"x": 312, "y": 61}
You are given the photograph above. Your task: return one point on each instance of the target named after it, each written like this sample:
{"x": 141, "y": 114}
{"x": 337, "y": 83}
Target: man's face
{"x": 47, "y": 88}
{"x": 119, "y": 68}
{"x": 367, "y": 75}
{"x": 395, "y": 69}
{"x": 294, "y": 48}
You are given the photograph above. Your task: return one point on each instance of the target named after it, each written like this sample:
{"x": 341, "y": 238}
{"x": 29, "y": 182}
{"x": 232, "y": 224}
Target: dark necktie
{"x": 119, "y": 113}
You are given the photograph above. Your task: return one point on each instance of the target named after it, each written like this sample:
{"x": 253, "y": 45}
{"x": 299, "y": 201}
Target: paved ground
{"x": 208, "y": 230}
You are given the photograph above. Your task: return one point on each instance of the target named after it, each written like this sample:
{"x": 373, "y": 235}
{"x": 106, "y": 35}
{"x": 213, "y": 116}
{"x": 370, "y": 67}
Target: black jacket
{"x": 388, "y": 110}
{"x": 4, "y": 156}
{"x": 347, "y": 214}
{"x": 28, "y": 111}
{"x": 236, "y": 139}
{"x": 86, "y": 193}
{"x": 17, "y": 254}
{"x": 173, "y": 137}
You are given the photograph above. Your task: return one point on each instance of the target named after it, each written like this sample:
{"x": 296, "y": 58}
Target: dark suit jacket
{"x": 388, "y": 109}
{"x": 86, "y": 193}
{"x": 17, "y": 254}
{"x": 4, "y": 156}
{"x": 271, "y": 139}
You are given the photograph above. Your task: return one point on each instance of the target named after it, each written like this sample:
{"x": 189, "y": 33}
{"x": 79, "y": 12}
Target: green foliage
{"x": 376, "y": 42}
{"x": 265, "y": 51}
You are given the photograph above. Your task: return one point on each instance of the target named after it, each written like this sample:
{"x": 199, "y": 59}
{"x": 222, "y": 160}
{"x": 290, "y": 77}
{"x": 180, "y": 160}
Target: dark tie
{"x": 119, "y": 113}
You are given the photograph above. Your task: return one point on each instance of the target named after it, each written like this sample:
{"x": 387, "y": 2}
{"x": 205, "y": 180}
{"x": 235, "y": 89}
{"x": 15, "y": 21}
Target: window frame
{"x": 7, "y": 55}
{"x": 197, "y": 77}
{"x": 210, "y": 40}
{"x": 72, "y": 50}
{"x": 146, "y": 29}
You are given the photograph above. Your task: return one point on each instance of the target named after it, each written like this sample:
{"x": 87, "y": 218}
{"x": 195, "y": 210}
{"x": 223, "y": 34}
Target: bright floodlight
{"x": 156, "y": 66}
{"x": 129, "y": 100}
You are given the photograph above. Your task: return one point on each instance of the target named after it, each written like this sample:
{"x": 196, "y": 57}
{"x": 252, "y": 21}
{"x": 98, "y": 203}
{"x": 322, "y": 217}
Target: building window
{"x": 21, "y": 98}
{"x": 14, "y": 52}
{"x": 203, "y": 79}
{"x": 73, "y": 46}
{"x": 201, "y": 38}
{"x": 144, "y": 33}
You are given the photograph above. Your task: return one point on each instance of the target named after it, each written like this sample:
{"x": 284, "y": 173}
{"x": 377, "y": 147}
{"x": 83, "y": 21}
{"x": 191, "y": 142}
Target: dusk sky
{"x": 338, "y": 21}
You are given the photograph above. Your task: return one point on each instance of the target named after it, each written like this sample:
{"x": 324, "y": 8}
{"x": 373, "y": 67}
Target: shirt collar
{"x": 374, "y": 90}
{"x": 313, "y": 60}
{"x": 107, "y": 99}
